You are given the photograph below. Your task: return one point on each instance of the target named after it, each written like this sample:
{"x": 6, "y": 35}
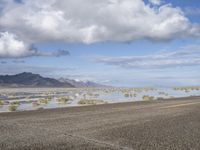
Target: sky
{"x": 129, "y": 43}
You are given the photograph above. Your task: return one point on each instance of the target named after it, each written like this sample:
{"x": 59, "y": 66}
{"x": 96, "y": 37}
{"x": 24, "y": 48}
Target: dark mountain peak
{"x": 28, "y": 79}
{"x": 27, "y": 74}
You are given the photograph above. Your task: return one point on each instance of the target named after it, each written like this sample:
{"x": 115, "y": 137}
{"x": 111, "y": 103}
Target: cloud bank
{"x": 89, "y": 21}
{"x": 25, "y": 22}
{"x": 187, "y": 56}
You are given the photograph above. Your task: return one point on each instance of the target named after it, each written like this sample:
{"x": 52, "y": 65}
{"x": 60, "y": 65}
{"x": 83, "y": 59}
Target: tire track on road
{"x": 98, "y": 142}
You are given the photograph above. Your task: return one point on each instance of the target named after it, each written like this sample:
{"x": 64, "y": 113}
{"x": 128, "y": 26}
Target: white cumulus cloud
{"x": 12, "y": 47}
{"x": 89, "y": 21}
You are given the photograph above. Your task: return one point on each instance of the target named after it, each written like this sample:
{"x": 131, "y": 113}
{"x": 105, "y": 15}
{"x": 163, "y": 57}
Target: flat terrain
{"x": 168, "y": 124}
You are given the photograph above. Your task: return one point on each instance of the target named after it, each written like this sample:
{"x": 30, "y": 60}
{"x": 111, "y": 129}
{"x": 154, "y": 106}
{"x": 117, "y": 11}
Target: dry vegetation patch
{"x": 1, "y": 103}
{"x": 12, "y": 107}
{"x": 63, "y": 99}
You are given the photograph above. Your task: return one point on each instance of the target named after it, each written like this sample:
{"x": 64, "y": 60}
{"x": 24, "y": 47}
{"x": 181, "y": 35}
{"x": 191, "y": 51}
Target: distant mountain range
{"x": 27, "y": 79}
{"x": 80, "y": 84}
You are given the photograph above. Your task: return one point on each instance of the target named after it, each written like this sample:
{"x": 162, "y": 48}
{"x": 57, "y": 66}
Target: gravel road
{"x": 156, "y": 125}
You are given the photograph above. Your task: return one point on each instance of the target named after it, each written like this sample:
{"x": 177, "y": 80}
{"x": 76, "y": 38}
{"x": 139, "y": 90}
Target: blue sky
{"x": 155, "y": 43}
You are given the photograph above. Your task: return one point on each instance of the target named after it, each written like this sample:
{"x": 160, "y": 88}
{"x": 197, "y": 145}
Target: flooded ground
{"x": 21, "y": 99}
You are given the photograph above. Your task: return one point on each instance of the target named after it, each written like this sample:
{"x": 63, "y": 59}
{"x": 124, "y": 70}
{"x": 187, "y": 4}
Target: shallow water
{"x": 109, "y": 95}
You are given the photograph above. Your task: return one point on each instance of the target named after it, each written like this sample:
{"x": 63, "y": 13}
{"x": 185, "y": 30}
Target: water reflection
{"x": 46, "y": 98}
